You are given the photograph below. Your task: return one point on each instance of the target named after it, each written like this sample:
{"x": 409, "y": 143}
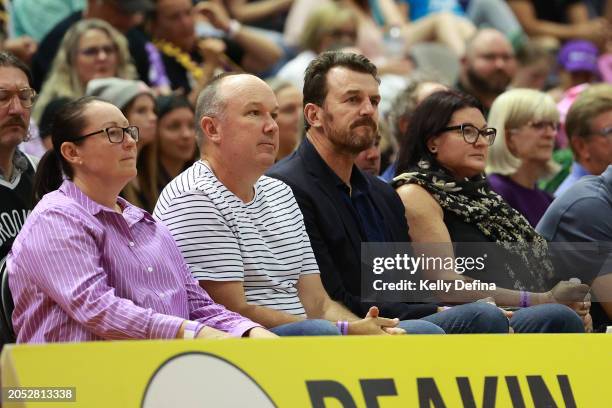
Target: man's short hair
{"x": 315, "y": 78}
{"x": 210, "y": 103}
{"x": 593, "y": 101}
{"x": 9, "y": 60}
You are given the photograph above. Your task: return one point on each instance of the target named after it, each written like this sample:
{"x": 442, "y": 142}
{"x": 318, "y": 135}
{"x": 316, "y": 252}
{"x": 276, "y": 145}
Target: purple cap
{"x": 579, "y": 55}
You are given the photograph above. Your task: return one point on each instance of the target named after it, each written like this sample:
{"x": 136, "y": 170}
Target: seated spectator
{"x": 534, "y": 65}
{"x": 368, "y": 160}
{"x": 566, "y": 20}
{"x": 90, "y": 266}
{"x": 577, "y": 62}
{"x": 242, "y": 233}
{"x": 121, "y": 14}
{"x": 482, "y": 13}
{"x": 446, "y": 199}
{"x": 583, "y": 213}
{"x": 190, "y": 63}
{"x": 344, "y": 207}
{"x": 488, "y": 67}
{"x": 527, "y": 122}
{"x": 16, "y": 168}
{"x": 328, "y": 26}
{"x": 137, "y": 103}
{"x": 91, "y": 49}
{"x": 176, "y": 147}
{"x": 289, "y": 119}
{"x": 444, "y": 28}
{"x": 588, "y": 125}
{"x": 402, "y": 109}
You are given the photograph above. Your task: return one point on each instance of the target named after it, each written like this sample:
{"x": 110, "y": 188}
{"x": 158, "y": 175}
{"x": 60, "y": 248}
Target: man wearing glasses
{"x": 589, "y": 128}
{"x": 16, "y": 168}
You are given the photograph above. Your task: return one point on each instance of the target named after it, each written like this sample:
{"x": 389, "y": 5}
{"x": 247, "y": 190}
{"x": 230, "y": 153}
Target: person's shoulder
{"x": 56, "y": 34}
{"x": 290, "y": 169}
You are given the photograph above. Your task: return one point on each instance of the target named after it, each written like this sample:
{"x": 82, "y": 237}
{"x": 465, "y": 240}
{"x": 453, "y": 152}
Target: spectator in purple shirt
{"x": 90, "y": 266}
{"x": 527, "y": 122}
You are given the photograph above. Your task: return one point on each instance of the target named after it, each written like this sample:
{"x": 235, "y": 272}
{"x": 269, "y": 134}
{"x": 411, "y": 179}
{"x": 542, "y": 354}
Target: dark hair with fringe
{"x": 431, "y": 116}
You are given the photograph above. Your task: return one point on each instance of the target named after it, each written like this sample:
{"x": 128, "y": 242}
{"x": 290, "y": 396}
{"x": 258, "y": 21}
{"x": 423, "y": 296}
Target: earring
{"x": 434, "y": 149}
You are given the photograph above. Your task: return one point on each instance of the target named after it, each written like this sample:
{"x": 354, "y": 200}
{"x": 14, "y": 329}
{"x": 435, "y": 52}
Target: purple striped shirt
{"x": 79, "y": 271}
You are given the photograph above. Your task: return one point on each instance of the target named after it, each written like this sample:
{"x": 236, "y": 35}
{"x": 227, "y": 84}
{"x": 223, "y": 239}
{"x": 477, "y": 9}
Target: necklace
{"x": 180, "y": 56}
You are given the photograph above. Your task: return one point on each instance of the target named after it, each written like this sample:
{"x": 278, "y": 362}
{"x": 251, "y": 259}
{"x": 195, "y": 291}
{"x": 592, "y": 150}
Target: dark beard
{"x": 346, "y": 142}
{"x": 483, "y": 85}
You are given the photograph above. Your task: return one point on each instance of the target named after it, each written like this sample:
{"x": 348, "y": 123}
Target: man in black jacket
{"x": 344, "y": 207}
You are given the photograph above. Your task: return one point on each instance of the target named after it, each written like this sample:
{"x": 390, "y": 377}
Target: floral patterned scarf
{"x": 475, "y": 203}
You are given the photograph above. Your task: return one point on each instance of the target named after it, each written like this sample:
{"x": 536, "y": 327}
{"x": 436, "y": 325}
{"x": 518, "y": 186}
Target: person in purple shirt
{"x": 90, "y": 266}
{"x": 527, "y": 122}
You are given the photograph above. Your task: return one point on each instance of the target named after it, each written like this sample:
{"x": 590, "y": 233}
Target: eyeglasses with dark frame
{"x": 115, "y": 134}
{"x": 471, "y": 133}
{"x": 26, "y": 96}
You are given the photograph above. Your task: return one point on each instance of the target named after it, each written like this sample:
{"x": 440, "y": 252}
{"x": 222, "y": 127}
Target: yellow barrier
{"x": 407, "y": 371}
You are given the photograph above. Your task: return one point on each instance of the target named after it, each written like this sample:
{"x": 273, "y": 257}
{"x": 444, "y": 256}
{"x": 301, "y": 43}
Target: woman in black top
{"x": 441, "y": 183}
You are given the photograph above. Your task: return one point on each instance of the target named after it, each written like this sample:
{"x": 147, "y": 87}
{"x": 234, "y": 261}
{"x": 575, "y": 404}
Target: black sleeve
{"x": 332, "y": 280}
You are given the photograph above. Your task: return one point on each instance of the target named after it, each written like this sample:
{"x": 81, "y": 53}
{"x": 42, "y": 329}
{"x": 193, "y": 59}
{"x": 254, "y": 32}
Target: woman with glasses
{"x": 91, "y": 49}
{"x": 447, "y": 201}
{"x": 137, "y": 103}
{"x": 90, "y": 266}
{"x": 527, "y": 122}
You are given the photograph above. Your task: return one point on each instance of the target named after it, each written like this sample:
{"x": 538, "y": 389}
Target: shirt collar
{"x": 20, "y": 165}
{"x": 132, "y": 214}
{"x": 579, "y": 171}
{"x": 358, "y": 180}
{"x": 607, "y": 177}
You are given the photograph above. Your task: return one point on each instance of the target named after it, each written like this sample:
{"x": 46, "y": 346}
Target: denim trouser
{"x": 483, "y": 317}
{"x": 319, "y": 327}
{"x": 547, "y": 318}
{"x": 479, "y": 317}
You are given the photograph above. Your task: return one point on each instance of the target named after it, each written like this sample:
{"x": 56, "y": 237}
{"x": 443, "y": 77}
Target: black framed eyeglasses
{"x": 471, "y": 133}
{"x": 115, "y": 134}
{"x": 26, "y": 96}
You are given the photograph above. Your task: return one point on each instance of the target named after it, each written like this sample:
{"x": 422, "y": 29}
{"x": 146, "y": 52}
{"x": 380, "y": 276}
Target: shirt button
{"x": 150, "y": 269}
{"x": 131, "y": 243}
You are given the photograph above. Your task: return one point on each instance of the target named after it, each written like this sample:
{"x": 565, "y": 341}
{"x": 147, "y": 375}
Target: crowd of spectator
{"x": 183, "y": 168}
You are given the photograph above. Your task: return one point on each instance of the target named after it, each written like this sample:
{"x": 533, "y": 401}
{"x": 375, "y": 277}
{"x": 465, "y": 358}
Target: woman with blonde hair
{"x": 527, "y": 122}
{"x": 91, "y": 49}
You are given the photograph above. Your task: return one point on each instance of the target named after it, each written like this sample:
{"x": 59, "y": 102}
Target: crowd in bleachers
{"x": 184, "y": 168}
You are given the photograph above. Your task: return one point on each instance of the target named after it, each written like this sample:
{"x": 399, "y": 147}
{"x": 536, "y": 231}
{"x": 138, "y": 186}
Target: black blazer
{"x": 333, "y": 232}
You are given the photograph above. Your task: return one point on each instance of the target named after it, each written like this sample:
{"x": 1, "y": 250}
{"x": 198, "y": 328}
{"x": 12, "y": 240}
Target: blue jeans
{"x": 547, "y": 318}
{"x": 318, "y": 327}
{"x": 477, "y": 317}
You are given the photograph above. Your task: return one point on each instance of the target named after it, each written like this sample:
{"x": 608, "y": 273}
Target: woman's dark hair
{"x": 429, "y": 119}
{"x": 67, "y": 125}
{"x": 167, "y": 103}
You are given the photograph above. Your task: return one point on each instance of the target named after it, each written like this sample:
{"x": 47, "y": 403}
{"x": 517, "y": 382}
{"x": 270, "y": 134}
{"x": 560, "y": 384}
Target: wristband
{"x": 524, "y": 299}
{"x": 342, "y": 325}
{"x": 234, "y": 27}
{"x": 192, "y": 329}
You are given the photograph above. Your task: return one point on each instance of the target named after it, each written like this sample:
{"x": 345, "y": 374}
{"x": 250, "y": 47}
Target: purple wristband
{"x": 524, "y": 300}
{"x": 342, "y": 325}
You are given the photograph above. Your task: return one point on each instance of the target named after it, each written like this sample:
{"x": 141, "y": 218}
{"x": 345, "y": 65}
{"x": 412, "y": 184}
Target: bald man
{"x": 242, "y": 233}
{"x": 487, "y": 67}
